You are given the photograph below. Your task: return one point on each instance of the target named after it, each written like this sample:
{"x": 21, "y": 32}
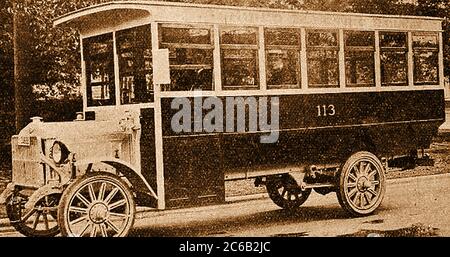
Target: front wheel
{"x": 38, "y": 221}
{"x": 361, "y": 184}
{"x": 97, "y": 204}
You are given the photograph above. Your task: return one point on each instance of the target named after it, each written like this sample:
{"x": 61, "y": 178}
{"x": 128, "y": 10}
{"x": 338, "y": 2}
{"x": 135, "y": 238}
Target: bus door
{"x": 193, "y": 166}
{"x": 193, "y": 173}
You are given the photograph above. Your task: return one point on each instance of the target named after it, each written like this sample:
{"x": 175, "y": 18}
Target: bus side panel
{"x": 362, "y": 108}
{"x": 385, "y": 123}
{"x": 193, "y": 173}
{"x": 317, "y": 111}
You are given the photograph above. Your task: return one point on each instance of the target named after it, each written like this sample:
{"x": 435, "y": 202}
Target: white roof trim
{"x": 95, "y": 9}
{"x": 145, "y": 5}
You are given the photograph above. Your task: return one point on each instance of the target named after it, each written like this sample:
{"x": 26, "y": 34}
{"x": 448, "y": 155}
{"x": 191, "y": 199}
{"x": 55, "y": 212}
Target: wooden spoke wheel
{"x": 285, "y": 192}
{"x": 39, "y": 221}
{"x": 361, "y": 184}
{"x": 97, "y": 204}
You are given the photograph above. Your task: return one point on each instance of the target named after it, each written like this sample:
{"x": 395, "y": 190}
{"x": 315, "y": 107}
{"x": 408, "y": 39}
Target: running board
{"x": 319, "y": 185}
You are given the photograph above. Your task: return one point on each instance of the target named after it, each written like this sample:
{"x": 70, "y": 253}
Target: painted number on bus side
{"x": 326, "y": 110}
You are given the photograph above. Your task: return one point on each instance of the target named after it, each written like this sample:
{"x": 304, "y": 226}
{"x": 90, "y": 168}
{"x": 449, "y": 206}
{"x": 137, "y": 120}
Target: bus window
{"x": 282, "y": 58}
{"x": 134, "y": 48}
{"x": 239, "y": 57}
{"x": 426, "y": 60}
{"x": 99, "y": 61}
{"x": 190, "y": 56}
{"x": 394, "y": 58}
{"x": 359, "y": 58}
{"x": 323, "y": 59}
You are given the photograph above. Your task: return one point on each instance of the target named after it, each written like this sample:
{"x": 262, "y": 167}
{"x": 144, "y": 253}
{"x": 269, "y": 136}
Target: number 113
{"x": 326, "y": 110}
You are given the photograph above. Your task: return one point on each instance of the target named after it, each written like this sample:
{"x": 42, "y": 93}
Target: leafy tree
{"x": 44, "y": 56}
{"x": 55, "y": 54}
{"x": 377, "y": 6}
{"x": 6, "y": 55}
{"x": 6, "y": 83}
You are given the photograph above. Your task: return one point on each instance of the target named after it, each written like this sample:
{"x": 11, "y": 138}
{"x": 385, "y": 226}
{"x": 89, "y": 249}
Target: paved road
{"x": 414, "y": 206}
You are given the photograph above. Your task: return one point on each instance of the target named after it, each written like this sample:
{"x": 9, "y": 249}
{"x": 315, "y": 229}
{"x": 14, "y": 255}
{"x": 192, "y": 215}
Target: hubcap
{"x": 363, "y": 184}
{"x": 98, "y": 213}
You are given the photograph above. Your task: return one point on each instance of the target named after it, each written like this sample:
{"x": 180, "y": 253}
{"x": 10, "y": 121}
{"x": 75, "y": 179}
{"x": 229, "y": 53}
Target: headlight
{"x": 59, "y": 152}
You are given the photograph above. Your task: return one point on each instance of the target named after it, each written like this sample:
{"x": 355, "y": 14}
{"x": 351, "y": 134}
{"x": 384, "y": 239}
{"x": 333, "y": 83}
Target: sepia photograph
{"x": 240, "y": 120}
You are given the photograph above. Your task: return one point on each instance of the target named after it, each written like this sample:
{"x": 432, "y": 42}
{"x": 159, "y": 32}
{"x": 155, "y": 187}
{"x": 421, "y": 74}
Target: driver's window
{"x": 134, "y": 47}
{"x": 190, "y": 56}
{"x": 99, "y": 61}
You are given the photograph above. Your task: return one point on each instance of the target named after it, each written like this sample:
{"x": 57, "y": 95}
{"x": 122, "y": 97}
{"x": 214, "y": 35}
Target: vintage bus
{"x": 318, "y": 101}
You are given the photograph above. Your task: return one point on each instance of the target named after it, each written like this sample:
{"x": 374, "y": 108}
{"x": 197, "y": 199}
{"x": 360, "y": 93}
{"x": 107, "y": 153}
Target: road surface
{"x": 418, "y": 206}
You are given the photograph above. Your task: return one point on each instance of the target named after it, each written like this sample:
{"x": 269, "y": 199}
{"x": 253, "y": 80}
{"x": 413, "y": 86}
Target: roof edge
{"x": 140, "y": 4}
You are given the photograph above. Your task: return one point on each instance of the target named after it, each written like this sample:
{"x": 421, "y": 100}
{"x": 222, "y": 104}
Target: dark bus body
{"x": 388, "y": 124}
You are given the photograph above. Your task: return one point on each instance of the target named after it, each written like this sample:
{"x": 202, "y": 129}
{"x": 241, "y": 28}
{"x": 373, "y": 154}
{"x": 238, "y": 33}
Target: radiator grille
{"x": 27, "y": 169}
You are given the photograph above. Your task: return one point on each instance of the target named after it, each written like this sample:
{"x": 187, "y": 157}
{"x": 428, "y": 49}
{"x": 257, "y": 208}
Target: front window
{"x": 99, "y": 62}
{"x": 239, "y": 56}
{"x": 134, "y": 48}
{"x": 426, "y": 59}
{"x": 190, "y": 56}
{"x": 323, "y": 59}
{"x": 394, "y": 58}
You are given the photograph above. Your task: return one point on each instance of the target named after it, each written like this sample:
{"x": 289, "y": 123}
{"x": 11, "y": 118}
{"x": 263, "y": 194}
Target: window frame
{"x": 152, "y": 91}
{"x": 389, "y": 49}
{"x": 297, "y": 48}
{"x": 254, "y": 48}
{"x": 358, "y": 49}
{"x": 325, "y": 49}
{"x": 210, "y": 46}
{"x": 436, "y": 50}
{"x": 90, "y": 102}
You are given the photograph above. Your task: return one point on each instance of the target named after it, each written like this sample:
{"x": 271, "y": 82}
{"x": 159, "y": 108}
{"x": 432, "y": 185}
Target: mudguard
{"x": 128, "y": 170}
{"x": 9, "y": 190}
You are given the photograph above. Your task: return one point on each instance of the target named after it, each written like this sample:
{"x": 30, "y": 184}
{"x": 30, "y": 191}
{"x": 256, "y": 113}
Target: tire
{"x": 362, "y": 184}
{"x": 285, "y": 192}
{"x": 36, "y": 222}
{"x": 91, "y": 204}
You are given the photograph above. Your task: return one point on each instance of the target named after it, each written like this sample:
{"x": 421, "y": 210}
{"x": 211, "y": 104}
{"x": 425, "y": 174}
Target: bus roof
{"x": 126, "y": 11}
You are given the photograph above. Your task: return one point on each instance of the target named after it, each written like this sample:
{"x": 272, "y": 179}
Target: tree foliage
{"x": 6, "y": 50}
{"x": 377, "y": 6}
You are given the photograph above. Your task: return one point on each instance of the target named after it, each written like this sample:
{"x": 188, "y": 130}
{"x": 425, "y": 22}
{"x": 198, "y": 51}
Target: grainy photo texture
{"x": 224, "y": 118}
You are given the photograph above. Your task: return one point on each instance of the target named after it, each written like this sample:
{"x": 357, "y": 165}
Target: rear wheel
{"x": 285, "y": 192}
{"x": 361, "y": 184}
{"x": 97, "y": 204}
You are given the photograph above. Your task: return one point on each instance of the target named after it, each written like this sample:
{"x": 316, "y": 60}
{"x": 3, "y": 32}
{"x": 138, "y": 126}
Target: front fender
{"x": 128, "y": 170}
{"x": 9, "y": 191}
{"x": 40, "y": 193}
